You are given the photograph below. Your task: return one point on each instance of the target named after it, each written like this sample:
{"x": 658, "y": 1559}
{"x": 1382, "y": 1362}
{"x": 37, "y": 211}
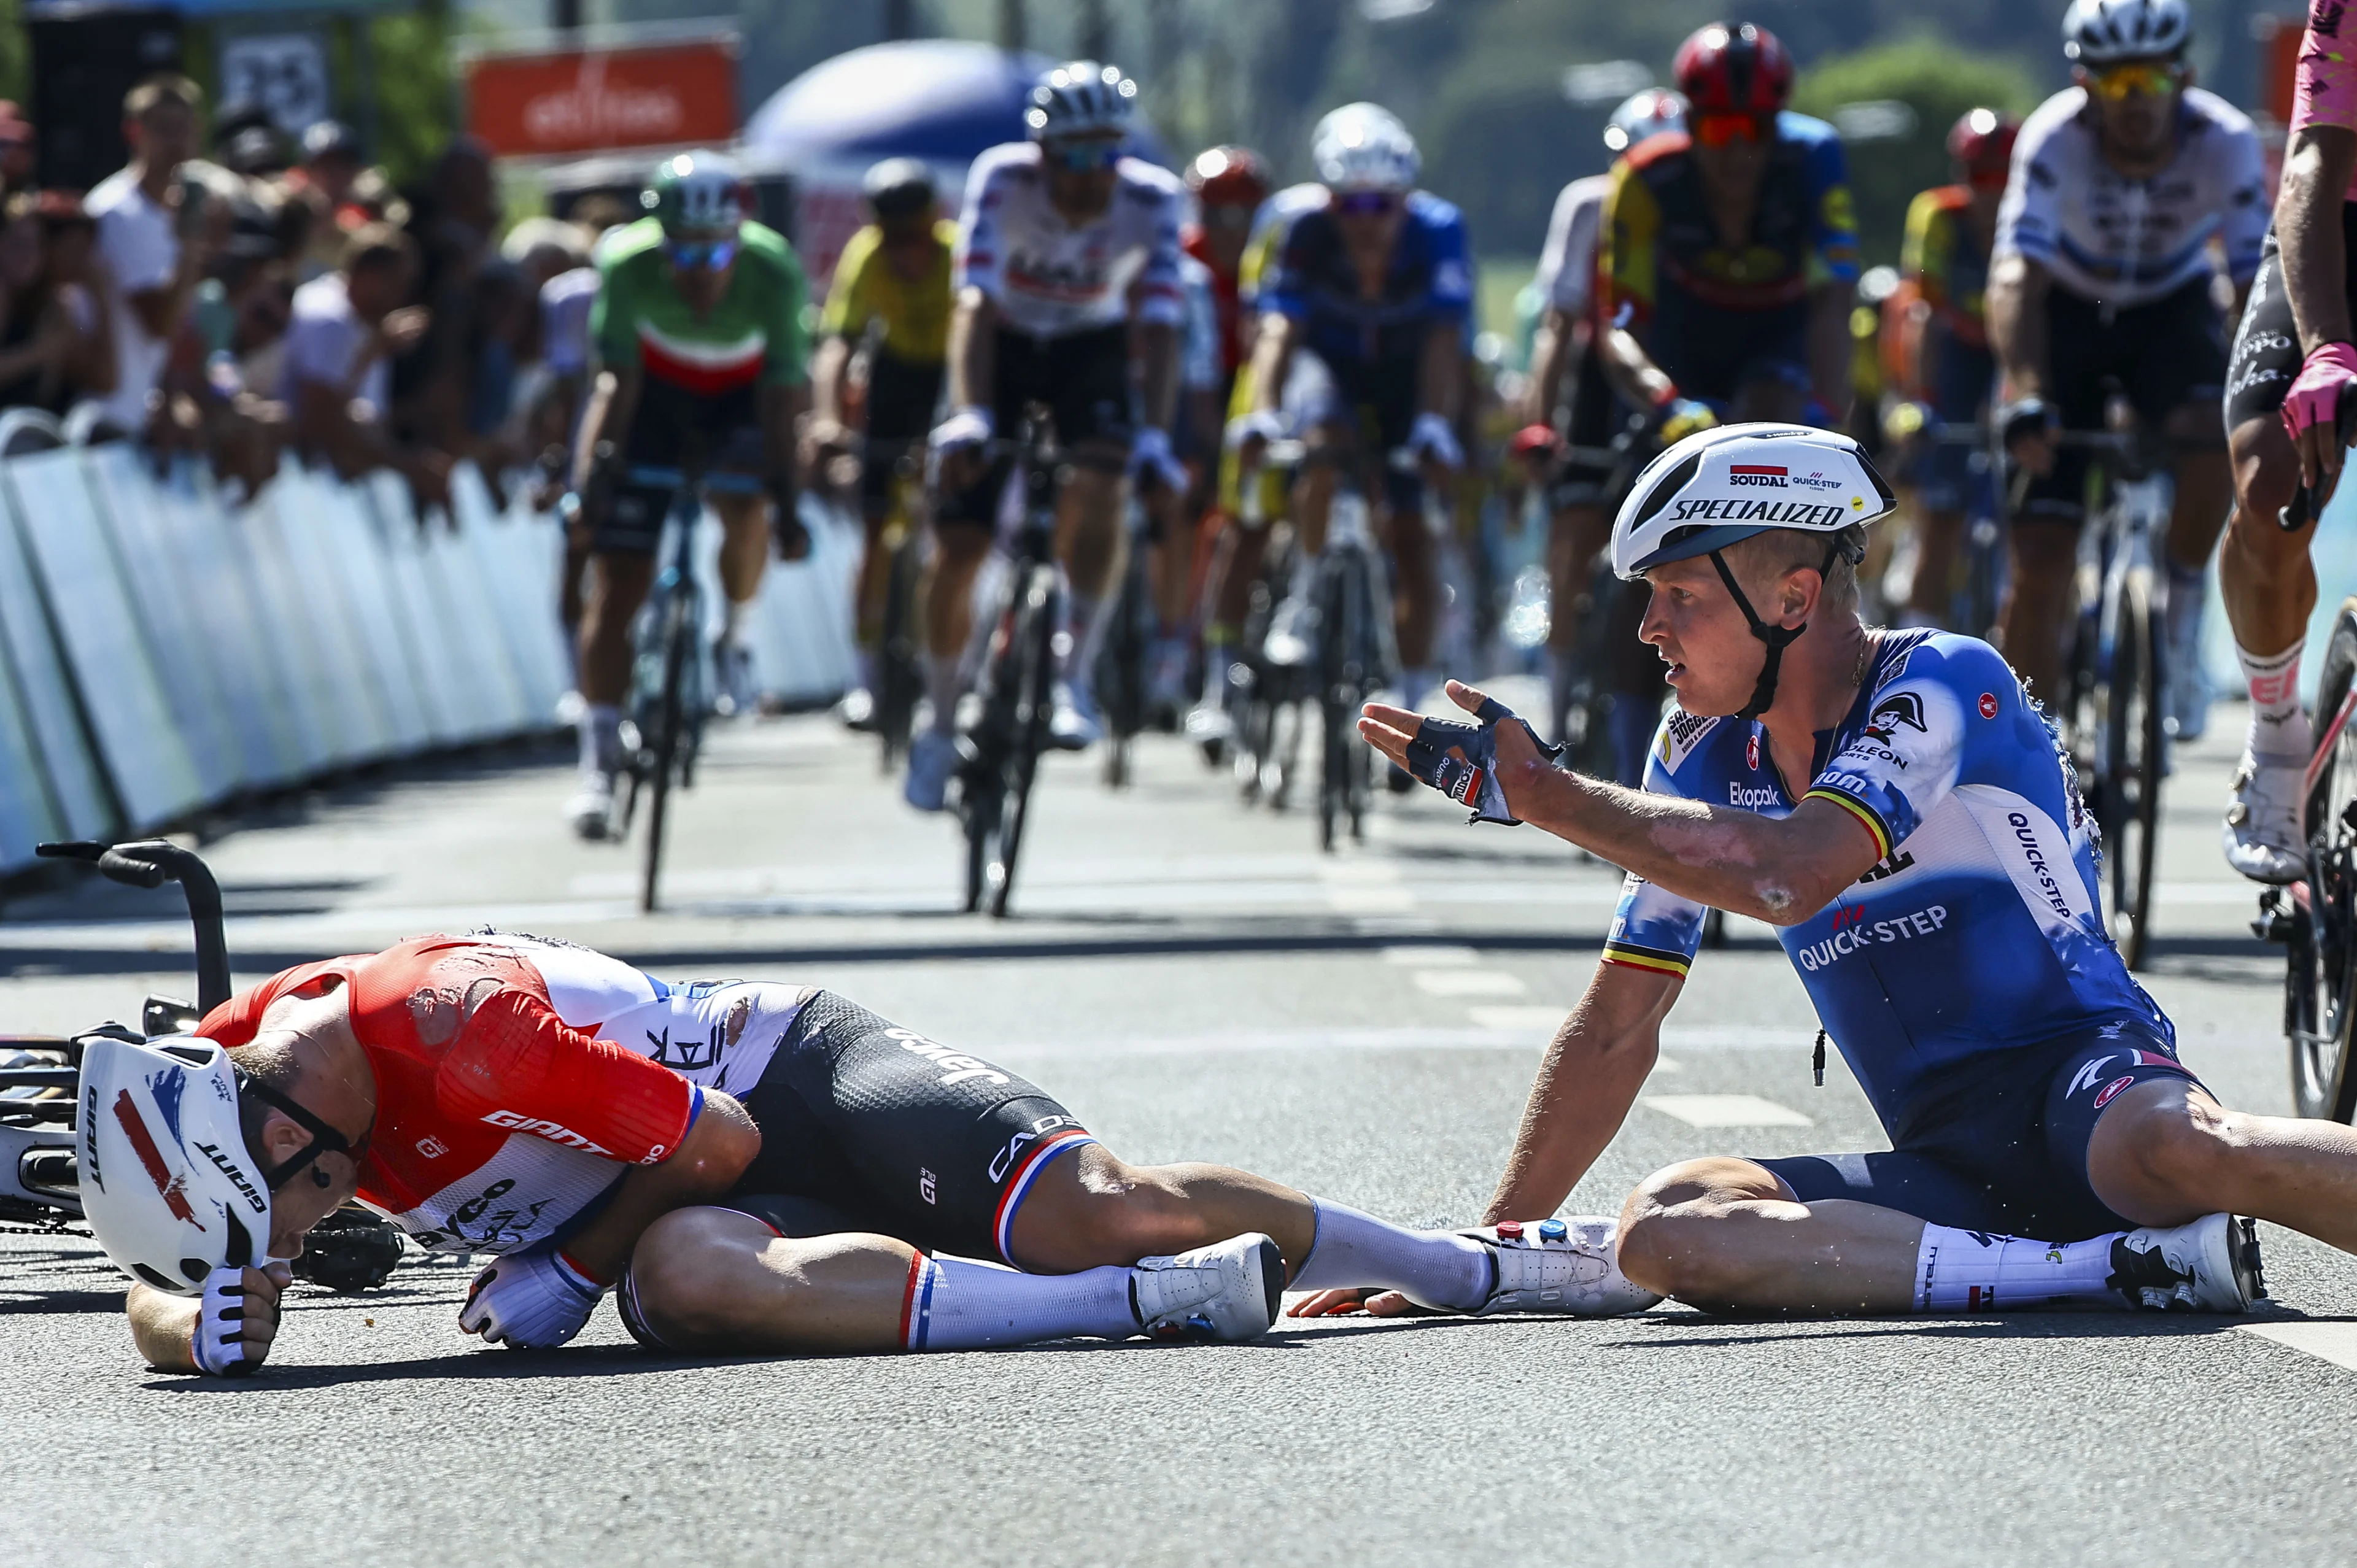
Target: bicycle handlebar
{"x": 151, "y": 863}
{"x": 2304, "y": 505}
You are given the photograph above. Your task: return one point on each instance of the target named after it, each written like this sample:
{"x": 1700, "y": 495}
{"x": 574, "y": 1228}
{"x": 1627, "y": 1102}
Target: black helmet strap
{"x": 1777, "y": 637}
{"x": 325, "y": 1139}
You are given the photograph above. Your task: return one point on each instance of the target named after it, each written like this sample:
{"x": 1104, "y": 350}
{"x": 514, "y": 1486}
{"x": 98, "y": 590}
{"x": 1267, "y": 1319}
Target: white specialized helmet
{"x": 1363, "y": 146}
{"x": 168, "y": 1183}
{"x": 2100, "y": 32}
{"x": 1645, "y": 115}
{"x": 1717, "y": 486}
{"x": 1080, "y": 98}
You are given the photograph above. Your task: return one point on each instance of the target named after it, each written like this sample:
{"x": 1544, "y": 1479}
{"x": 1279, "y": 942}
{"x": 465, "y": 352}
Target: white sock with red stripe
{"x": 1972, "y": 1271}
{"x": 1431, "y": 1268}
{"x": 952, "y": 1304}
{"x": 2279, "y": 727}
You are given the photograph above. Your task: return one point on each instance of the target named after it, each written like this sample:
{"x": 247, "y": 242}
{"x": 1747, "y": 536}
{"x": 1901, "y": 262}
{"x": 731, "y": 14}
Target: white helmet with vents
{"x": 2100, "y": 32}
{"x": 168, "y": 1183}
{"x": 1363, "y": 146}
{"x": 1080, "y": 98}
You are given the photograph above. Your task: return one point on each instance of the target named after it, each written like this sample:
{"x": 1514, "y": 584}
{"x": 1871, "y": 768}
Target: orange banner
{"x": 585, "y": 100}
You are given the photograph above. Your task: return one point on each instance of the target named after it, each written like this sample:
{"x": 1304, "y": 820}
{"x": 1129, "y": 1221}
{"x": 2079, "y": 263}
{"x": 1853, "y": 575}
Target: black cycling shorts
{"x": 1999, "y": 1143}
{"x": 2163, "y": 356}
{"x": 1596, "y": 417}
{"x": 1084, "y": 378}
{"x": 902, "y": 400}
{"x": 896, "y": 1134}
{"x": 675, "y": 428}
{"x": 1373, "y": 403}
{"x": 1714, "y": 353}
{"x": 2266, "y": 357}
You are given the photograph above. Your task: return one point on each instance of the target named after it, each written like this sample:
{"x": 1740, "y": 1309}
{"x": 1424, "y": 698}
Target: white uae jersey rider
{"x": 1051, "y": 279}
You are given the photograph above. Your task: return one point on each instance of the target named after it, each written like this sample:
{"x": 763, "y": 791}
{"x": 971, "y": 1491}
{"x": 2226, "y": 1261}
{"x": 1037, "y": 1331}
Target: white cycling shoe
{"x": 1073, "y": 725}
{"x": 1291, "y": 642}
{"x": 591, "y": 809}
{"x": 1563, "y": 1266}
{"x": 732, "y": 674}
{"x": 1226, "y": 1292}
{"x": 932, "y": 758}
{"x": 2263, "y": 836}
{"x": 2211, "y": 1265}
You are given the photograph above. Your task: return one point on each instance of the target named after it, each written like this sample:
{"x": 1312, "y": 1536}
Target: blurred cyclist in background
{"x": 1374, "y": 284}
{"x": 1948, "y": 375}
{"x": 1732, "y": 247}
{"x": 1569, "y": 402}
{"x": 702, "y": 366}
{"x": 1065, "y": 245}
{"x": 889, "y": 302}
{"x": 2103, "y": 275}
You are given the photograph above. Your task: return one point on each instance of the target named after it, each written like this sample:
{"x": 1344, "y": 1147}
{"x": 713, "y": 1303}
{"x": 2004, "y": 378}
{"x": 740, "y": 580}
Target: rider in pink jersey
{"x": 2292, "y": 358}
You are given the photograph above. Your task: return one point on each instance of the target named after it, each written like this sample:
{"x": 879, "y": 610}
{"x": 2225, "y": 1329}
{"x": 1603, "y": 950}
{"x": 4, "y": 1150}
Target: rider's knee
{"x": 2186, "y": 1143}
{"x": 2266, "y": 472}
{"x": 1665, "y": 1228}
{"x": 678, "y": 1283}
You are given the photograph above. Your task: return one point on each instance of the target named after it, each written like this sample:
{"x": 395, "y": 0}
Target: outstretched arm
{"x": 1782, "y": 871}
{"x": 1590, "y": 1077}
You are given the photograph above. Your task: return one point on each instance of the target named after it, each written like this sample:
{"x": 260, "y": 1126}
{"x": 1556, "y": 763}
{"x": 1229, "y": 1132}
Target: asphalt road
{"x": 1198, "y": 981}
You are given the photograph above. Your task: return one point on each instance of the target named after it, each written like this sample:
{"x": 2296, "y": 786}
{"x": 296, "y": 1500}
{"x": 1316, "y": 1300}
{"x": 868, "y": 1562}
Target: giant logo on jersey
{"x": 539, "y": 1127}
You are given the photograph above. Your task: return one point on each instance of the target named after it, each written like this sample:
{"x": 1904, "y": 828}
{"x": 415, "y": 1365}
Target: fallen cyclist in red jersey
{"x": 756, "y": 1167}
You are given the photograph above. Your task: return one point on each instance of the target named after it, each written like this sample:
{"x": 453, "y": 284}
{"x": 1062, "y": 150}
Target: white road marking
{"x": 1467, "y": 982}
{"x": 1727, "y": 1110}
{"x": 2333, "y": 1342}
{"x": 1520, "y": 1019}
{"x": 1432, "y": 955}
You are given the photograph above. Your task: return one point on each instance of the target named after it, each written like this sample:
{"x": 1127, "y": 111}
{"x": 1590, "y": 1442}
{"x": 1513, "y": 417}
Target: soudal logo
{"x": 1772, "y": 479}
{"x": 236, "y": 1175}
{"x": 556, "y": 1132}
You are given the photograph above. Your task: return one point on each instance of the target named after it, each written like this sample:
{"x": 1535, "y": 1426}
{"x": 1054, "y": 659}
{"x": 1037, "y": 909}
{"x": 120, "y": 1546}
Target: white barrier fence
{"x": 163, "y": 651}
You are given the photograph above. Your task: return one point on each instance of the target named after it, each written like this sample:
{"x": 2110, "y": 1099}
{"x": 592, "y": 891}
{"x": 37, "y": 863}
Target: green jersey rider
{"x": 702, "y": 366}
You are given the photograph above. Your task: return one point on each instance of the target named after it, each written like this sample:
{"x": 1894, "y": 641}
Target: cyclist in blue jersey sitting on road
{"x": 1897, "y": 807}
{"x": 1367, "y": 295}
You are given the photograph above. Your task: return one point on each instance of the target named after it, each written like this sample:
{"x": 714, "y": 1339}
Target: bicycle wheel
{"x": 664, "y": 745}
{"x": 1338, "y": 620}
{"x": 1033, "y": 661}
{"x": 898, "y": 678}
{"x": 2134, "y": 740}
{"x": 2321, "y": 967}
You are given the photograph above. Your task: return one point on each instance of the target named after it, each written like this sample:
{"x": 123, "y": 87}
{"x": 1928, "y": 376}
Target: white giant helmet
{"x": 2098, "y": 32}
{"x": 1363, "y": 146}
{"x": 168, "y": 1183}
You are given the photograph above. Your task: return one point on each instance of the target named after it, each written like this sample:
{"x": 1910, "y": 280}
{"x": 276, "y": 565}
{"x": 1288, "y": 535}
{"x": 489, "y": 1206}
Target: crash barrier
{"x": 165, "y": 649}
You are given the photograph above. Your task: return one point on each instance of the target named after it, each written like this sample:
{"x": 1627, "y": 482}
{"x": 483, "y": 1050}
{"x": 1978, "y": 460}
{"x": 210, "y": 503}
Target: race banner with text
{"x": 567, "y": 100}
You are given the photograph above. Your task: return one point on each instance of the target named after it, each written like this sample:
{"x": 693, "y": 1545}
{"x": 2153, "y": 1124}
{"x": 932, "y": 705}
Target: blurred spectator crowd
{"x": 237, "y": 294}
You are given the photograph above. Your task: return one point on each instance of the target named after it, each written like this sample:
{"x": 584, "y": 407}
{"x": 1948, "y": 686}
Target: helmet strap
{"x": 325, "y": 1139}
{"x": 1777, "y": 637}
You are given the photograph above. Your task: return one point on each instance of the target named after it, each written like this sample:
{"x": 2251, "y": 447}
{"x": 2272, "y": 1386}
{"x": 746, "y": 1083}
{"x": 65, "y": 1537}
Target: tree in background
{"x": 1937, "y": 83}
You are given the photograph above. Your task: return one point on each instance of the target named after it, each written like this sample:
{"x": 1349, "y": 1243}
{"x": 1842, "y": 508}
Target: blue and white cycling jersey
{"x": 1310, "y": 277}
{"x": 1980, "y": 929}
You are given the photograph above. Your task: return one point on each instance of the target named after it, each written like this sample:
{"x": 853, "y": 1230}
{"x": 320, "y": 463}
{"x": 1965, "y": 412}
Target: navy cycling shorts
{"x": 1999, "y": 1143}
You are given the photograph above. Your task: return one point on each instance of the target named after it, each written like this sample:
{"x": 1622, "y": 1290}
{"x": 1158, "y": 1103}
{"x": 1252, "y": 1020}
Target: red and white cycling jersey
{"x": 518, "y": 1078}
{"x": 1050, "y": 279}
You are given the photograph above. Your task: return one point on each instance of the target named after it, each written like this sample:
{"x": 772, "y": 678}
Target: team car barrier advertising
{"x": 164, "y": 649}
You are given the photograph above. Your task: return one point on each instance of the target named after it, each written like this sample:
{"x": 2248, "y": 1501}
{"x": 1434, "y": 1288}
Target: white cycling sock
{"x": 732, "y": 621}
{"x": 601, "y": 737}
{"x": 1972, "y": 1271}
{"x": 1432, "y": 1268}
{"x": 943, "y": 685}
{"x": 2279, "y": 727}
{"x": 1087, "y": 627}
{"x": 954, "y": 1304}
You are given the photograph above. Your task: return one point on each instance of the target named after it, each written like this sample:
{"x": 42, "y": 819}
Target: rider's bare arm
{"x": 714, "y": 1152}
{"x": 1272, "y": 358}
{"x": 1440, "y": 374}
{"x": 1157, "y": 360}
{"x": 2317, "y": 172}
{"x": 780, "y": 407}
{"x": 2016, "y": 322}
{"x": 828, "y": 363}
{"x": 1551, "y": 355}
{"x": 973, "y": 331}
{"x": 1830, "y": 353}
{"x": 1632, "y": 371}
{"x": 1590, "y": 1076}
{"x": 613, "y": 398}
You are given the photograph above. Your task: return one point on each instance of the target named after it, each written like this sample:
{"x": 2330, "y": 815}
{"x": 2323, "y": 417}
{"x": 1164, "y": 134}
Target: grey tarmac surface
{"x": 1198, "y": 983}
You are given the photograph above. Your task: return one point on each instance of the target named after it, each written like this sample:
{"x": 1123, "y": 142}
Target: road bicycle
{"x": 671, "y": 672}
{"x": 1120, "y": 677}
{"x": 899, "y": 670}
{"x": 1973, "y": 608}
{"x": 2315, "y": 918}
{"x": 40, "y": 1185}
{"x": 999, "y": 749}
{"x": 2115, "y": 702}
